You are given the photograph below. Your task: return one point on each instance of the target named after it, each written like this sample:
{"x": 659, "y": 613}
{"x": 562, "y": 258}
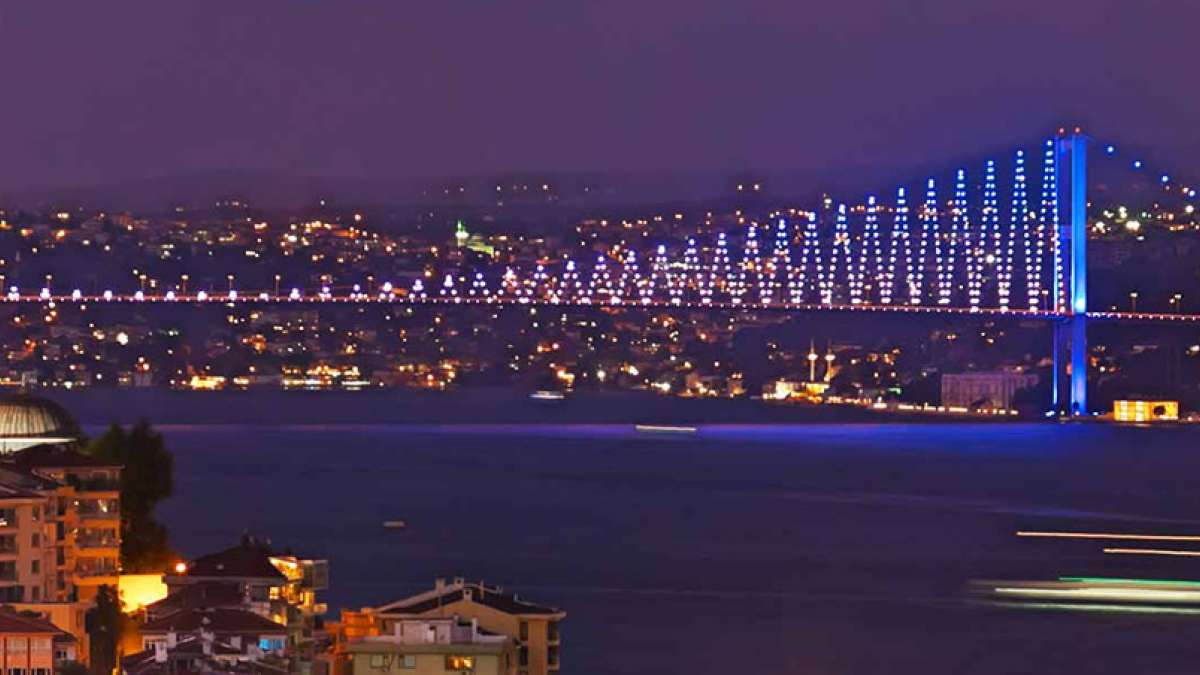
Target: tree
{"x": 146, "y": 479}
{"x": 103, "y": 624}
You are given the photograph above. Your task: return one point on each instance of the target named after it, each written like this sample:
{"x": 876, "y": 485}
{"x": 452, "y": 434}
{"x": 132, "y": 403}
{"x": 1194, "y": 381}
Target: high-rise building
{"x": 60, "y": 525}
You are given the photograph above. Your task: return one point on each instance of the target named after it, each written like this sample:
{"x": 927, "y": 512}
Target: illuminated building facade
{"x": 434, "y": 645}
{"x": 984, "y": 390}
{"x": 1145, "y": 411}
{"x": 533, "y": 629}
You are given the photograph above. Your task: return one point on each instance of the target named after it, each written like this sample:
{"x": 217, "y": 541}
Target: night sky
{"x": 96, "y": 92}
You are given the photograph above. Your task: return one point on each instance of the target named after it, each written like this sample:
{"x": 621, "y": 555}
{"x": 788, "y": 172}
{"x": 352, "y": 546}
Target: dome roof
{"x": 27, "y": 417}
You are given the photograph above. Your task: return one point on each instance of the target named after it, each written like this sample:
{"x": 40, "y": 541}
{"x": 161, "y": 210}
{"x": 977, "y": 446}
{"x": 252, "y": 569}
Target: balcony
{"x": 94, "y": 484}
{"x": 98, "y": 509}
{"x": 97, "y": 539}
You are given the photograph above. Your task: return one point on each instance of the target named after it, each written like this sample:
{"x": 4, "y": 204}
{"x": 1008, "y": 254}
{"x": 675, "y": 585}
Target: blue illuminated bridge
{"x": 1009, "y": 241}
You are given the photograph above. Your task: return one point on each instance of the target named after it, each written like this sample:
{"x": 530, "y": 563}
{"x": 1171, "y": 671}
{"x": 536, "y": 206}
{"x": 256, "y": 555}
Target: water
{"x": 838, "y": 549}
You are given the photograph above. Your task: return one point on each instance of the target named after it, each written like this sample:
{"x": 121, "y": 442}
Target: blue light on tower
{"x": 1110, "y": 149}
{"x": 1137, "y": 163}
{"x": 1164, "y": 179}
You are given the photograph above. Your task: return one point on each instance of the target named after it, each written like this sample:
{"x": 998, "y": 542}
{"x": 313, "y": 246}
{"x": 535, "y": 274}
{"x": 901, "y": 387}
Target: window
{"x": 37, "y": 513}
{"x": 270, "y": 644}
{"x": 8, "y": 517}
{"x": 41, "y": 671}
{"x": 16, "y": 671}
{"x": 409, "y": 661}
{"x": 8, "y": 570}
{"x": 36, "y": 539}
{"x": 523, "y": 656}
{"x": 454, "y": 662}
{"x": 35, "y": 566}
{"x": 524, "y": 630}
{"x": 37, "y": 592}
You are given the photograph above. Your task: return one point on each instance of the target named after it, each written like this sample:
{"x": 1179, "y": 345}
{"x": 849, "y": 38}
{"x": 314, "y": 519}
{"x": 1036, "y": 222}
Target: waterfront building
{"x": 993, "y": 390}
{"x": 533, "y": 628}
{"x": 1145, "y": 411}
{"x": 435, "y": 645}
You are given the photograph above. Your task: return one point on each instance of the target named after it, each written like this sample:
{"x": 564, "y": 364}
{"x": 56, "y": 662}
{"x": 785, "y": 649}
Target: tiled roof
{"x": 245, "y": 560}
{"x": 15, "y": 622}
{"x": 197, "y": 596}
{"x": 217, "y": 620}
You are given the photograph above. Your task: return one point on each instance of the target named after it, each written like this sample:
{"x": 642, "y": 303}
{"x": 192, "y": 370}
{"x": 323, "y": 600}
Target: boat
{"x": 547, "y": 395}
{"x": 394, "y": 524}
{"x": 664, "y": 429}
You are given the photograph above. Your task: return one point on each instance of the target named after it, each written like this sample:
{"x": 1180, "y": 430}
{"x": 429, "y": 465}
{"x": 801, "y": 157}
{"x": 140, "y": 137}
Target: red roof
{"x": 14, "y": 622}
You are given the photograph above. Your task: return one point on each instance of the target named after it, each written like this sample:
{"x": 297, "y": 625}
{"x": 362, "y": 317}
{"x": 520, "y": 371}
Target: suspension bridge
{"x": 1011, "y": 241}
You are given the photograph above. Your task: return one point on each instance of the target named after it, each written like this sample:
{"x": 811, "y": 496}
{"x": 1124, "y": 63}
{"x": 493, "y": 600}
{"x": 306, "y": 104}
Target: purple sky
{"x": 105, "y": 91}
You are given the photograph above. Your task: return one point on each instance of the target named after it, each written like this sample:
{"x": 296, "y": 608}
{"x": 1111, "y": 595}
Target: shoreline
{"x": 474, "y": 405}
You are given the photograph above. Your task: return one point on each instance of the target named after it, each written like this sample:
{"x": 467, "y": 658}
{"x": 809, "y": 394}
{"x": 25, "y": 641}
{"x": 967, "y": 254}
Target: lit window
{"x": 460, "y": 662}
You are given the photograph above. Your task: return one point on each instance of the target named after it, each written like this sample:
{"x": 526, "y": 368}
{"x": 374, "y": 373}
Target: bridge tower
{"x": 1070, "y": 332}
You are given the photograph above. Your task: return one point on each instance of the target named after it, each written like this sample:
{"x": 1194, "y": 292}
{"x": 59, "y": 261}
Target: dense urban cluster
{"x": 232, "y": 247}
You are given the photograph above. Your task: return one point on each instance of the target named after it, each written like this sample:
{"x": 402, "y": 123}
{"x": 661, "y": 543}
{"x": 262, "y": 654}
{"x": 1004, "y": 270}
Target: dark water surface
{"x": 839, "y": 549}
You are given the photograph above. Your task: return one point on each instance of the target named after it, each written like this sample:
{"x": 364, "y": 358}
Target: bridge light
{"x": 1110, "y": 150}
{"x": 139, "y": 296}
{"x": 1164, "y": 179}
{"x": 1137, "y": 163}
{"x": 108, "y": 295}
{"x": 76, "y": 294}
{"x": 202, "y": 296}
{"x": 170, "y": 295}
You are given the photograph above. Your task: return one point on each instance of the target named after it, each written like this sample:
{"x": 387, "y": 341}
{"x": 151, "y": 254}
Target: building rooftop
{"x": 197, "y": 596}
{"x": 58, "y": 457}
{"x": 26, "y": 623}
{"x": 216, "y": 620}
{"x": 246, "y": 560}
{"x": 27, "y": 420}
{"x": 445, "y": 594}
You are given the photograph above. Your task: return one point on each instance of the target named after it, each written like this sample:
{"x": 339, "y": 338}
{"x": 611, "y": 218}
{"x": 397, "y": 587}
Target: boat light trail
{"x": 1108, "y": 535}
{"x": 1152, "y": 551}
